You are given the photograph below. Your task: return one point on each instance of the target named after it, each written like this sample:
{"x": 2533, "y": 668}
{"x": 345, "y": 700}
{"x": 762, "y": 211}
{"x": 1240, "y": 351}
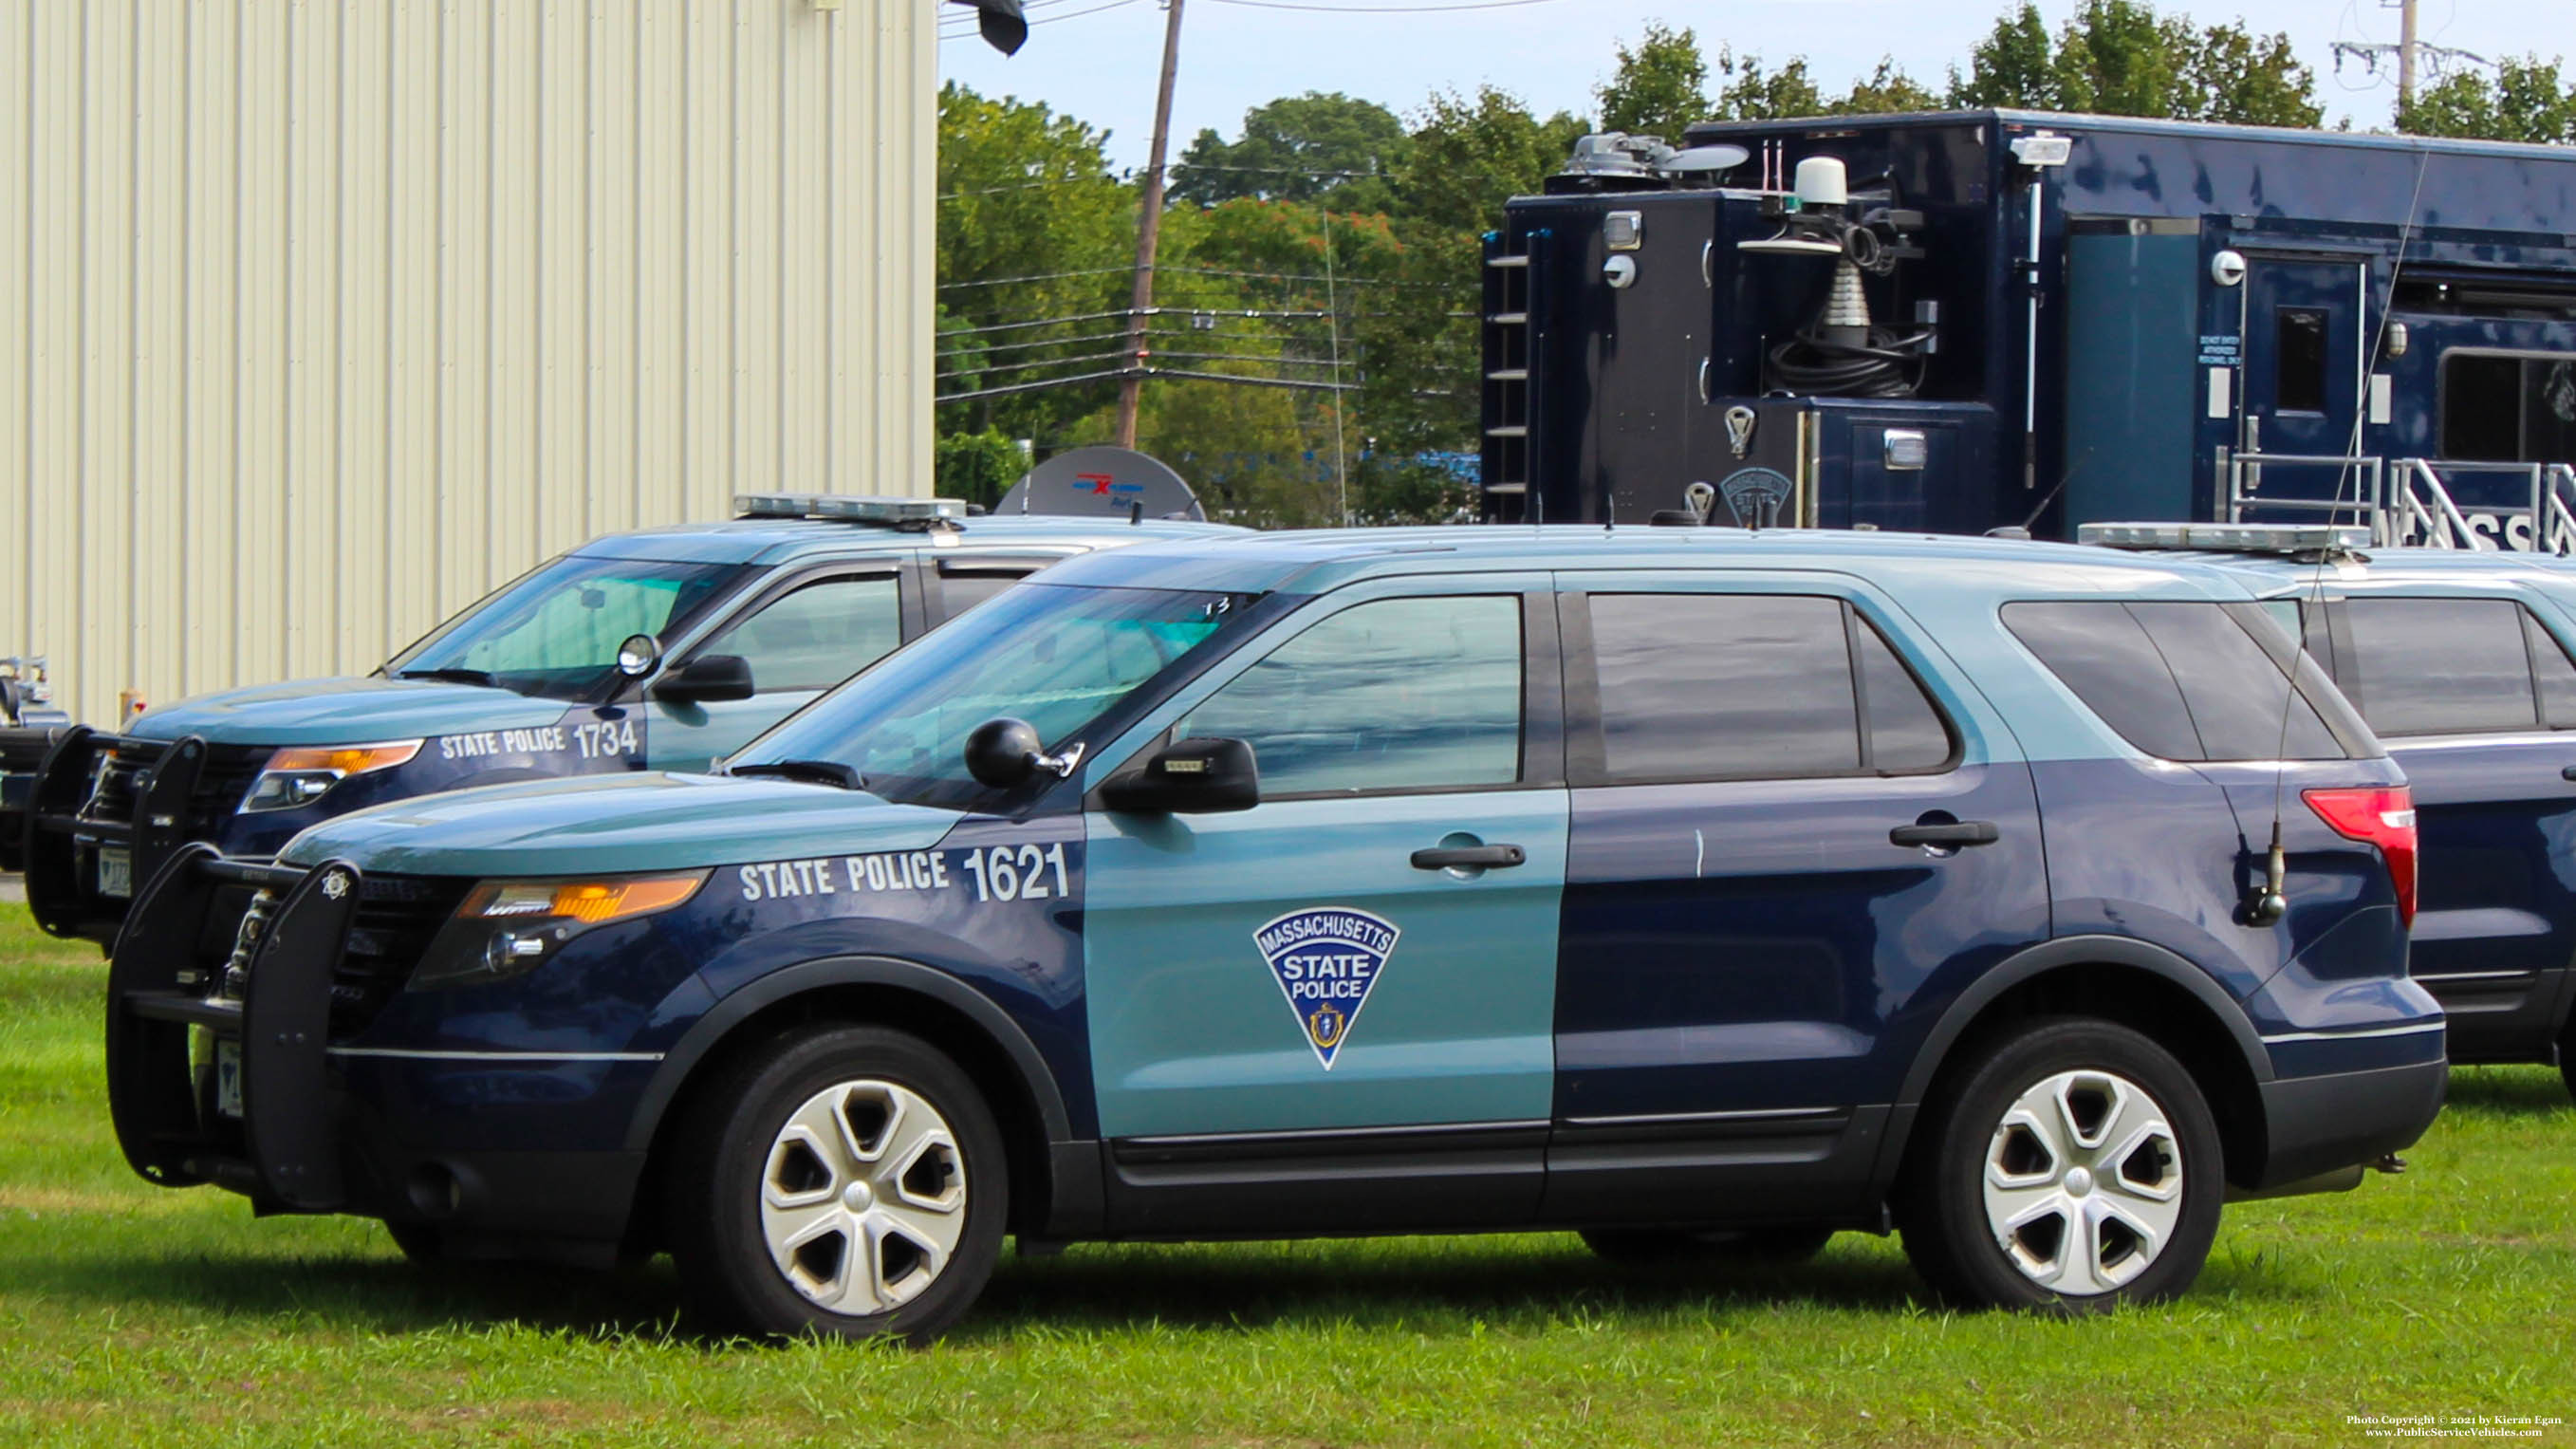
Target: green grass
{"x": 130, "y": 1314}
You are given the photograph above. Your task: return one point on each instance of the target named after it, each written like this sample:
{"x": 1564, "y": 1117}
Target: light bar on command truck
{"x": 851, "y": 507}
{"x": 2228, "y": 537}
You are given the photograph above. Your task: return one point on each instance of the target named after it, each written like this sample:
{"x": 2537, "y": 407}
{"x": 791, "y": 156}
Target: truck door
{"x": 2302, "y": 341}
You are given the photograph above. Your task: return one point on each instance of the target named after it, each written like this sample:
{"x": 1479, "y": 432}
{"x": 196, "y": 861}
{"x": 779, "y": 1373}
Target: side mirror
{"x": 637, "y": 656}
{"x": 1003, "y": 752}
{"x": 707, "y": 678}
{"x": 1204, "y": 776}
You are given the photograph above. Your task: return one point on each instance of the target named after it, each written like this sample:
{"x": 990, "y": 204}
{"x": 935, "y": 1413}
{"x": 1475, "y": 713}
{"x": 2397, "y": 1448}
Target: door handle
{"x": 1957, "y": 832}
{"x": 1467, "y": 857}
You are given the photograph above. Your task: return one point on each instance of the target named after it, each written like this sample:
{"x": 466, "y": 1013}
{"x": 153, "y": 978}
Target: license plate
{"x": 228, "y": 1096}
{"x": 115, "y": 871}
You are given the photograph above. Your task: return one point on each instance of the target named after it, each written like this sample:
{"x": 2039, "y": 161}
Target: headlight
{"x": 303, "y": 775}
{"x": 507, "y": 928}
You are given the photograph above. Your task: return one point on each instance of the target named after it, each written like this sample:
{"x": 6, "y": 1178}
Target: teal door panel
{"x": 1194, "y": 1031}
{"x": 1288, "y": 967}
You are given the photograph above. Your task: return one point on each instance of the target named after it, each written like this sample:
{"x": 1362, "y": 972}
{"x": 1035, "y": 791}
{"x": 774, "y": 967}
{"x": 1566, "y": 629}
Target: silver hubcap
{"x": 2083, "y": 1183}
{"x": 863, "y": 1198}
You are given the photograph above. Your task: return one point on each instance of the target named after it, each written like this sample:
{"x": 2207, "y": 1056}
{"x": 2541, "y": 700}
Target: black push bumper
{"x": 282, "y": 1151}
{"x": 22, "y": 754}
{"x": 63, "y": 843}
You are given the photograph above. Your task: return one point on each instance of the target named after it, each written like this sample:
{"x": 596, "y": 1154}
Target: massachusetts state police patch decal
{"x": 1327, "y": 959}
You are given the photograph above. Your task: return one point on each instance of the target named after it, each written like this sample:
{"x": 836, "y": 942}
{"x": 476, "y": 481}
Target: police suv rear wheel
{"x": 1661, "y": 1247}
{"x": 847, "y": 1181}
{"x": 2073, "y": 1168}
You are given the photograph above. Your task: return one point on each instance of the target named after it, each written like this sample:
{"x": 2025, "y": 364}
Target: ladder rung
{"x": 1507, "y": 487}
{"x": 1516, "y": 430}
{"x": 1509, "y": 374}
{"x": 1514, "y": 261}
{"x": 1508, "y": 319}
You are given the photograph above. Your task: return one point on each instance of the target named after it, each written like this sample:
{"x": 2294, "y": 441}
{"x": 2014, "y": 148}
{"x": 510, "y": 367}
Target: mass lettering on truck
{"x": 996, "y": 873}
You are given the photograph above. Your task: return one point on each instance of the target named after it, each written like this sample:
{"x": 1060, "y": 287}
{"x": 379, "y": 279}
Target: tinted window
{"x": 2299, "y": 364}
{"x": 817, "y": 636}
{"x": 1704, "y": 686}
{"x": 1905, "y": 730}
{"x": 2505, "y": 408}
{"x": 960, "y": 592}
{"x": 2240, "y": 703}
{"x": 2105, "y": 656}
{"x": 555, "y": 631}
{"x": 2183, "y": 681}
{"x": 2439, "y": 666}
{"x": 2555, "y": 674}
{"x": 1399, "y": 694}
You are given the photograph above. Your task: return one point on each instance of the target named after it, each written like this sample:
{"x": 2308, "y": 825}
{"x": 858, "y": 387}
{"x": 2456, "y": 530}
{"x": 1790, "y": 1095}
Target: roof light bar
{"x": 848, "y": 507}
{"x": 2228, "y": 537}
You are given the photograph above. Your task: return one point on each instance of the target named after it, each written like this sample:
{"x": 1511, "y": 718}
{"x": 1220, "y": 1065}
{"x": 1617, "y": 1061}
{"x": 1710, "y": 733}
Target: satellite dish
{"x": 1720, "y": 157}
{"x": 1102, "y": 483}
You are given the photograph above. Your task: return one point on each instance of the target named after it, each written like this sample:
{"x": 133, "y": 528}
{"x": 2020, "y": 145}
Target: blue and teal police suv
{"x": 1702, "y": 892}
{"x": 2460, "y": 661}
{"x": 659, "y": 650}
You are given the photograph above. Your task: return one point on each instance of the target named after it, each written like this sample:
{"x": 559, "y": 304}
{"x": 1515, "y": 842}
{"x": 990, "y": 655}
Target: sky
{"x": 1099, "y": 59}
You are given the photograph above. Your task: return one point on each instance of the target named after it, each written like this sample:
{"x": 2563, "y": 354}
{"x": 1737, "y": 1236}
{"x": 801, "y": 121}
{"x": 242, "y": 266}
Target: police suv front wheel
{"x": 846, "y": 1181}
{"x": 2073, "y": 1167}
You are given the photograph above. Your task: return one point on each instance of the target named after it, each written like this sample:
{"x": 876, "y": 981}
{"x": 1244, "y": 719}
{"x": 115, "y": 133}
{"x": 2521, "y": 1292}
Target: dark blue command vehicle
{"x": 2460, "y": 661}
{"x": 657, "y": 650}
{"x": 1702, "y": 892}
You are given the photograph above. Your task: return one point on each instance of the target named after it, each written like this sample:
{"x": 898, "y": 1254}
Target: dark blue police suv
{"x": 1700, "y": 892}
{"x": 2461, "y": 663}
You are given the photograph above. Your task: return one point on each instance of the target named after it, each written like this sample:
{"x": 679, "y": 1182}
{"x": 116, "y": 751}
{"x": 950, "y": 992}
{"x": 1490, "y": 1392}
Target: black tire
{"x": 1676, "y": 1247}
{"x": 1942, "y": 1199}
{"x": 729, "y": 1142}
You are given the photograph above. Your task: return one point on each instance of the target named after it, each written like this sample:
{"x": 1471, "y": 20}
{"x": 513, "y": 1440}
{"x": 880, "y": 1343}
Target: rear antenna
{"x": 1136, "y": 513}
{"x": 2267, "y": 905}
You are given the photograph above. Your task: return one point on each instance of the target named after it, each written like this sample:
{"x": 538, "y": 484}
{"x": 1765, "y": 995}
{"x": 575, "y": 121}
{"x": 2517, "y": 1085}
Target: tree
{"x": 2122, "y": 58}
{"x": 1299, "y": 148}
{"x": 1752, "y": 93}
{"x": 2525, "y": 99}
{"x": 1659, "y": 88}
{"x": 2014, "y": 66}
{"x": 2250, "y": 80}
{"x": 1033, "y": 225}
{"x": 1886, "y": 91}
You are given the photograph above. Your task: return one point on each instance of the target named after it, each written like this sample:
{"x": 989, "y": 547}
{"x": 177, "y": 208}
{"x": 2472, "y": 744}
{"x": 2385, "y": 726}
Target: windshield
{"x": 555, "y": 632}
{"x": 1056, "y": 656}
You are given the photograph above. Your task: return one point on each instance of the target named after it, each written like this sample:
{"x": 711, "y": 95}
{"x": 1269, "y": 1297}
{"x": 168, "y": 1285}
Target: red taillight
{"x": 2379, "y": 815}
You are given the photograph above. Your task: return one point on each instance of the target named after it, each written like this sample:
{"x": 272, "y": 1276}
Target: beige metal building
{"x": 320, "y": 318}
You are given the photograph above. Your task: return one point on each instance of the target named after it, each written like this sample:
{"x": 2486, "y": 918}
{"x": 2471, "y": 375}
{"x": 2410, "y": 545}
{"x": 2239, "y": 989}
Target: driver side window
{"x": 1399, "y": 694}
{"x": 818, "y": 635}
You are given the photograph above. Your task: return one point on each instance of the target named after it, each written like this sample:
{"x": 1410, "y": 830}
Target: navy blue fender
{"x": 1072, "y": 1203}
{"x": 2034, "y": 962}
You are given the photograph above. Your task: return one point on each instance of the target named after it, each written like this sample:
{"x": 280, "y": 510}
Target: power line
{"x": 958, "y": 34}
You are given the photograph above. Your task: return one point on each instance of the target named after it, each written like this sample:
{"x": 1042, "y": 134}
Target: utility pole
{"x": 2405, "y": 56}
{"x": 1149, "y": 231}
{"x": 2414, "y": 56}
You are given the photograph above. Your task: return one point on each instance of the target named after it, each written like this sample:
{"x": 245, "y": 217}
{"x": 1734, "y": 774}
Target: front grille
{"x": 221, "y": 784}
{"x": 397, "y": 917}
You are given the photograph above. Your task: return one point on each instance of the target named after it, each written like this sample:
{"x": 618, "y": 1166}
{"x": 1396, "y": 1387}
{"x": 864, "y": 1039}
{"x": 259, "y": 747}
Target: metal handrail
{"x": 2369, "y": 506}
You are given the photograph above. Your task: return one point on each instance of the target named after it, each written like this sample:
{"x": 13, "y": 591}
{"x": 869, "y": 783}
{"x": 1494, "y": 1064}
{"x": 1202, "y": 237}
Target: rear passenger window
{"x": 1753, "y": 686}
{"x": 2554, "y": 673}
{"x": 2181, "y": 681}
{"x": 2439, "y": 666}
{"x": 1400, "y": 694}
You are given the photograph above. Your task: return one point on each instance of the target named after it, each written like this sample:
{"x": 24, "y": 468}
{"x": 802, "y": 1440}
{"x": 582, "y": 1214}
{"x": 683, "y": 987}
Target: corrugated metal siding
{"x": 318, "y": 320}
